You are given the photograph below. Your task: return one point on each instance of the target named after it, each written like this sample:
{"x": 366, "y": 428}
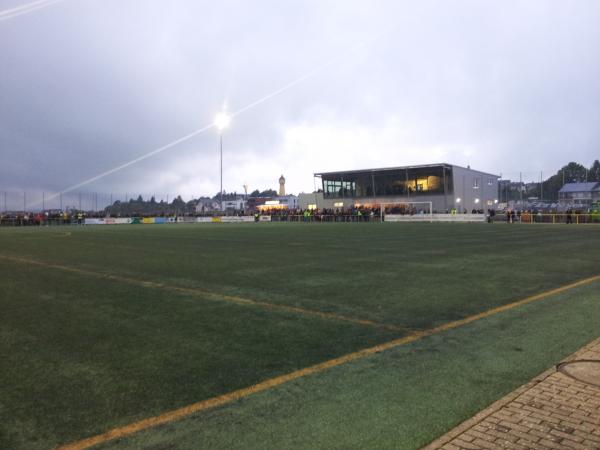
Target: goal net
{"x": 407, "y": 212}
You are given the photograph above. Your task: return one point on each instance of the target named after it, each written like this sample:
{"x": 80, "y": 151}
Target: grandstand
{"x": 446, "y": 186}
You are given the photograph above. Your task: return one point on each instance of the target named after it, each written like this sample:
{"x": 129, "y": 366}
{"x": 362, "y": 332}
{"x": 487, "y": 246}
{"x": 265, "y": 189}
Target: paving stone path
{"x": 553, "y": 411}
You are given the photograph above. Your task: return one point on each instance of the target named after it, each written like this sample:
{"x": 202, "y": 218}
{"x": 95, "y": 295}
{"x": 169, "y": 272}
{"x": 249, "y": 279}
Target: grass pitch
{"x": 104, "y": 326}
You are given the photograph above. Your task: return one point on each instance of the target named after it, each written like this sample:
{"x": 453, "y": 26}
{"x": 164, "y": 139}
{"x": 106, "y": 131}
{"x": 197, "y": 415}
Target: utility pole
{"x": 521, "y": 187}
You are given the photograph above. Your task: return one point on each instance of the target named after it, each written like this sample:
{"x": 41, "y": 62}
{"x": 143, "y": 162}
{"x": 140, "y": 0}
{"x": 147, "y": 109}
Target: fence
{"x": 532, "y": 218}
{"x": 35, "y": 201}
{"x": 524, "y": 218}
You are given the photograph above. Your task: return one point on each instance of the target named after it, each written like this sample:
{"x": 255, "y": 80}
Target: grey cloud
{"x": 88, "y": 85}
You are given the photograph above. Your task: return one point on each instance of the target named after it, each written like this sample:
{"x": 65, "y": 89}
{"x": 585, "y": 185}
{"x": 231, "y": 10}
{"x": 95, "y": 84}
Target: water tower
{"x": 281, "y": 186}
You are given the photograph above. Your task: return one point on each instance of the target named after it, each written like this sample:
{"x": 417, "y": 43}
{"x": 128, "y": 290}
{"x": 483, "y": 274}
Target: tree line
{"x": 139, "y": 206}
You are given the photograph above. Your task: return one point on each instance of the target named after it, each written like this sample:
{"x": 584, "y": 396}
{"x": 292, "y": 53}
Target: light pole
{"x": 222, "y": 121}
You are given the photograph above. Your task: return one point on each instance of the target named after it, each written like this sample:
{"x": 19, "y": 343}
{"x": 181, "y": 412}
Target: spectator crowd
{"x": 352, "y": 214}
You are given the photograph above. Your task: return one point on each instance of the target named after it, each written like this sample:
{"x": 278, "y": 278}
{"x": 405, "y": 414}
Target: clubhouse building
{"x": 446, "y": 186}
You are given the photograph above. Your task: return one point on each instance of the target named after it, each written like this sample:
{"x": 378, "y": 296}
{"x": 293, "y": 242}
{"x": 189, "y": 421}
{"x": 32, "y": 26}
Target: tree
{"x": 150, "y": 207}
{"x": 552, "y": 185}
{"x": 255, "y": 193}
{"x": 594, "y": 173}
{"x": 574, "y": 173}
{"x": 178, "y": 201}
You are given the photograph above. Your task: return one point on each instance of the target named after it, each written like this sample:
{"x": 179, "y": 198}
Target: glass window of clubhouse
{"x": 399, "y": 181}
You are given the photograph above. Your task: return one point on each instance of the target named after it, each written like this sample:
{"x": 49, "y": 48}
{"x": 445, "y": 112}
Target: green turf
{"x": 393, "y": 273}
{"x": 399, "y": 399}
{"x": 80, "y": 354}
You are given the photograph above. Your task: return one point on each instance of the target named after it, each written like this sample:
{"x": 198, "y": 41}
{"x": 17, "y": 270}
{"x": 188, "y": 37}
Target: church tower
{"x": 281, "y": 186}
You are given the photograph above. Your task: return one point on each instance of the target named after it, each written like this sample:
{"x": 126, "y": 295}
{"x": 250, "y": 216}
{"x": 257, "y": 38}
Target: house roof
{"x": 385, "y": 169}
{"x": 580, "y": 187}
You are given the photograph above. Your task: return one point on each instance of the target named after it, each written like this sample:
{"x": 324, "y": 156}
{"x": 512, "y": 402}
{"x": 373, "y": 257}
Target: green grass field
{"x": 105, "y": 326}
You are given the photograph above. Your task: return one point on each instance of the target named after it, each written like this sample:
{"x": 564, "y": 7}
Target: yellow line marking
{"x": 214, "y": 296}
{"x": 220, "y": 400}
{"x": 52, "y": 235}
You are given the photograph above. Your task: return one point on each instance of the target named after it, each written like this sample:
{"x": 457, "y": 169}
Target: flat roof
{"x": 384, "y": 169}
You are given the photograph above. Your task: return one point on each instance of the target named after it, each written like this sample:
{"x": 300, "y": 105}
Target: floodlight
{"x": 476, "y": 200}
{"x": 458, "y": 200}
{"x": 222, "y": 121}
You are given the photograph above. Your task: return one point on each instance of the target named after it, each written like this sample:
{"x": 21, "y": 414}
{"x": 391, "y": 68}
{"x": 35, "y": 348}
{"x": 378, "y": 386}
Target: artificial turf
{"x": 80, "y": 354}
{"x": 403, "y": 398}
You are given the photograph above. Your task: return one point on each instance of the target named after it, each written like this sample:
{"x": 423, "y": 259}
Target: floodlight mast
{"x": 222, "y": 121}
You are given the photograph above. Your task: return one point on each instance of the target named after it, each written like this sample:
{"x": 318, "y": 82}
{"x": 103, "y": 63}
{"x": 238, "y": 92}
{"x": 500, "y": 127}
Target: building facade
{"x": 579, "y": 194}
{"x": 270, "y": 203}
{"x": 446, "y": 186}
{"x": 238, "y": 204}
{"x": 205, "y": 205}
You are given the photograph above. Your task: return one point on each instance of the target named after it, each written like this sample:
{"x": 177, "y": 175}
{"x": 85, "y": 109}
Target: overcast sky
{"x": 88, "y": 85}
